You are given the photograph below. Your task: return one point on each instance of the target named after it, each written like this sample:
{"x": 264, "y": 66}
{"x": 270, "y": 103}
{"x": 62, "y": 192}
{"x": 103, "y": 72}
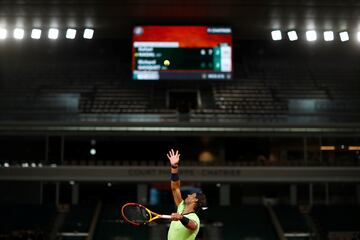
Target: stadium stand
{"x": 76, "y": 126}
{"x": 26, "y": 221}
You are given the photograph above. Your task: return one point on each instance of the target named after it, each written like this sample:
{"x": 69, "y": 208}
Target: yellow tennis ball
{"x": 166, "y": 62}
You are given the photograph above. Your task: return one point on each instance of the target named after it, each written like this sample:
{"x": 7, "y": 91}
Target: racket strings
{"x": 136, "y": 214}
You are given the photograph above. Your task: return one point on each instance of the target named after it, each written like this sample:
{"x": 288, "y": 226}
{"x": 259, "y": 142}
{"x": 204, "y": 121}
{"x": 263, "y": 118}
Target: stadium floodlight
{"x": 276, "y": 35}
{"x": 70, "y": 33}
{"x": 3, "y": 33}
{"x": 25, "y": 164}
{"x": 88, "y": 33}
{"x": 344, "y": 36}
{"x": 292, "y": 35}
{"x": 36, "y": 33}
{"x": 19, "y": 33}
{"x": 311, "y": 35}
{"x": 328, "y": 36}
{"x": 53, "y": 33}
{"x": 93, "y": 151}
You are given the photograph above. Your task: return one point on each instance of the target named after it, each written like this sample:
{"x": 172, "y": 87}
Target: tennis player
{"x": 185, "y": 222}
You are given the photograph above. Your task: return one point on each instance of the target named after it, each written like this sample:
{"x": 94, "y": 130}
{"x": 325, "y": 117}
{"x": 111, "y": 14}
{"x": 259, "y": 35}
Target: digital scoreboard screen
{"x": 181, "y": 53}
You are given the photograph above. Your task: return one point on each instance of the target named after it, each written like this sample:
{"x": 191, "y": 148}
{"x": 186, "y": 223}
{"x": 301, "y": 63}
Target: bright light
{"x": 276, "y": 35}
{"x": 292, "y": 35}
{"x": 6, "y": 164}
{"x": 93, "y": 151}
{"x": 358, "y": 36}
{"x": 88, "y": 33}
{"x": 36, "y": 33}
{"x": 328, "y": 36}
{"x": 70, "y": 33}
{"x": 311, "y": 35}
{"x": 25, "y": 164}
{"x": 19, "y": 33}
{"x": 354, "y": 148}
{"x": 53, "y": 33}
{"x": 3, "y": 33}
{"x": 327, "y": 148}
{"x": 344, "y": 36}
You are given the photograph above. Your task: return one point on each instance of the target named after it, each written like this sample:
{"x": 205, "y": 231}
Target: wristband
{"x": 174, "y": 177}
{"x": 184, "y": 221}
{"x": 174, "y": 166}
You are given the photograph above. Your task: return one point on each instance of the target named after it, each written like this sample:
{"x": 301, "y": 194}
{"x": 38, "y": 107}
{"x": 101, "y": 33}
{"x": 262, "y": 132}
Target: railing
{"x": 197, "y": 174}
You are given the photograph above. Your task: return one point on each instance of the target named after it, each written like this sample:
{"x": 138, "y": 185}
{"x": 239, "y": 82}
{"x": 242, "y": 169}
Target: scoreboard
{"x": 182, "y": 53}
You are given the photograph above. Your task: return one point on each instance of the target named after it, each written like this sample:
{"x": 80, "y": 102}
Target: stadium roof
{"x": 250, "y": 19}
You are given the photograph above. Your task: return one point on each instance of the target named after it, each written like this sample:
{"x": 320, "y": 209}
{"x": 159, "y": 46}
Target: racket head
{"x": 136, "y": 214}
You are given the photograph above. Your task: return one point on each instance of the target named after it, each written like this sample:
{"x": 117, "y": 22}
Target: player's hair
{"x": 201, "y": 201}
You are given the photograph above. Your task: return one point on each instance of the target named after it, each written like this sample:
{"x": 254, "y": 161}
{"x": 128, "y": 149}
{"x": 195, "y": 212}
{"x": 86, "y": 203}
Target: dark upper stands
{"x": 274, "y": 87}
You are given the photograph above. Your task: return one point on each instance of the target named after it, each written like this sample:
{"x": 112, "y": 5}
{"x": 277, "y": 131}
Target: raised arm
{"x": 174, "y": 158}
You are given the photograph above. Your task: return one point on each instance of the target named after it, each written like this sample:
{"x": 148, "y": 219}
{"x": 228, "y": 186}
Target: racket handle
{"x": 165, "y": 216}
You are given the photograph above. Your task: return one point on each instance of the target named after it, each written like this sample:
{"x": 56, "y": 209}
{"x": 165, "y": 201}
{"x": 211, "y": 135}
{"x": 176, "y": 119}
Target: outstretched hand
{"x": 174, "y": 157}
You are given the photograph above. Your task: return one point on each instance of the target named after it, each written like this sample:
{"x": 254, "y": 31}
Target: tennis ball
{"x": 166, "y": 62}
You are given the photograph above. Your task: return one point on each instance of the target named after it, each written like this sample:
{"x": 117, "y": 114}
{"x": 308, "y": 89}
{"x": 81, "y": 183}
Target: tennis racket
{"x": 138, "y": 214}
